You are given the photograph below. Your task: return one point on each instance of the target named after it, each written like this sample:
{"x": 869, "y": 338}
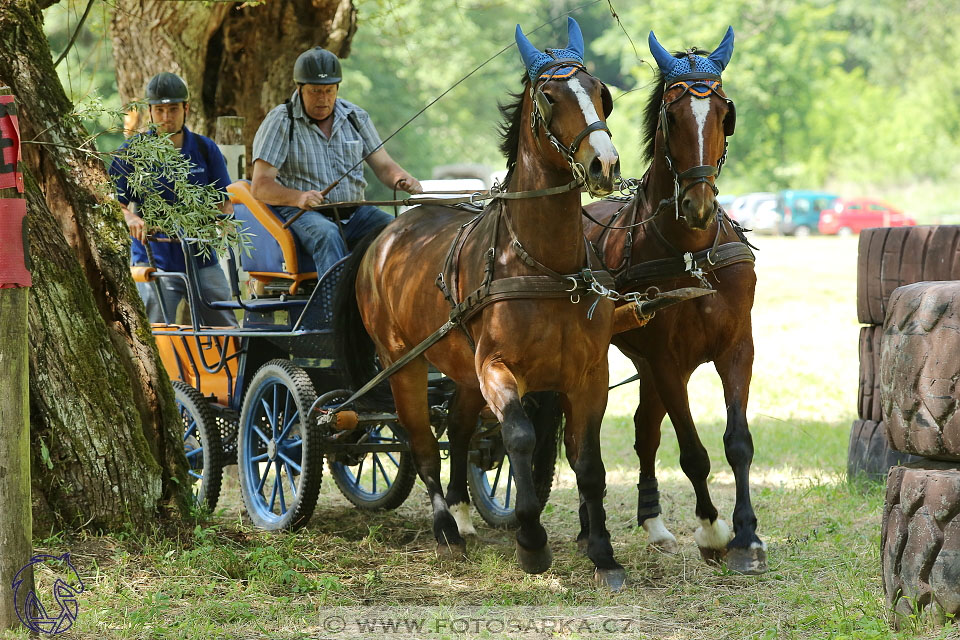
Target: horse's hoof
{"x": 713, "y": 556}
{"x": 613, "y": 579}
{"x": 582, "y": 544}
{"x": 453, "y": 551}
{"x": 751, "y": 561}
{"x": 668, "y": 546}
{"x": 536, "y": 561}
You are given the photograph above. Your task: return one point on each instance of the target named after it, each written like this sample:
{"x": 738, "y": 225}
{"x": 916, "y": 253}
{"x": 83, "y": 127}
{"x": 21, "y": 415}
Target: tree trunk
{"x": 105, "y": 434}
{"x": 236, "y": 59}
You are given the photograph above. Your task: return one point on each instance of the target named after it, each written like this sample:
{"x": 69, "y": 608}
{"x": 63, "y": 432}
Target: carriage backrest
{"x": 275, "y": 252}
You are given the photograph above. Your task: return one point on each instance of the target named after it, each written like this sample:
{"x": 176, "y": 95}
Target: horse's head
{"x": 693, "y": 121}
{"x": 567, "y": 109}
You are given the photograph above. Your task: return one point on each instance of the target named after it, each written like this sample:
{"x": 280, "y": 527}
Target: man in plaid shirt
{"x": 305, "y": 144}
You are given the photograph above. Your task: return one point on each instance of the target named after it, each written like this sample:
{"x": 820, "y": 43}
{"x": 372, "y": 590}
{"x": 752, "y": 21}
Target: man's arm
{"x": 265, "y": 188}
{"x": 134, "y": 222}
{"x": 392, "y": 174}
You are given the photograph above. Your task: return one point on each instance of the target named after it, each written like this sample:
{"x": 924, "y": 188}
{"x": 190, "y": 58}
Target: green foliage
{"x": 193, "y": 212}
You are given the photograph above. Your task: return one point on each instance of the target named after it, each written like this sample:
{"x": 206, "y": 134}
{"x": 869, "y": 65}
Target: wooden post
{"x": 16, "y": 523}
{"x": 228, "y": 134}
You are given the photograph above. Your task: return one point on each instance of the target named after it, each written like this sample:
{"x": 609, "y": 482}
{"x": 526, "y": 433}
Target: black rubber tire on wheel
{"x": 920, "y": 541}
{"x": 295, "y": 445}
{"x": 920, "y": 370}
{"x": 490, "y": 501}
{"x": 869, "y": 454}
{"x": 202, "y": 445}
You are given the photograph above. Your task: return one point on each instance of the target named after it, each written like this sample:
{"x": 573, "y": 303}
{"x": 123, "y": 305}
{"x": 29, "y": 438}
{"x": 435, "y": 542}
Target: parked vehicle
{"x": 800, "y": 210}
{"x": 744, "y": 208}
{"x": 853, "y": 215}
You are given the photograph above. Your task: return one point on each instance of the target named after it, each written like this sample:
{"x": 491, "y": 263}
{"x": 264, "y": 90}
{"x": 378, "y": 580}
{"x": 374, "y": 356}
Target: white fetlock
{"x": 660, "y": 536}
{"x": 714, "y": 535}
{"x": 461, "y": 513}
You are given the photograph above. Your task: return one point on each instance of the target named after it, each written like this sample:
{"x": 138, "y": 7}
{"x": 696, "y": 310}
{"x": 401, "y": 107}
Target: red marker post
{"x": 16, "y": 525}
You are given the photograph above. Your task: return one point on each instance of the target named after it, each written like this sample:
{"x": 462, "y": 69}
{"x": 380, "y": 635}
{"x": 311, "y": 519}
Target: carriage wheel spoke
{"x": 292, "y": 421}
{"x": 194, "y": 452}
{"x": 262, "y": 456}
{"x": 356, "y": 478}
{"x": 496, "y": 480}
{"x": 273, "y": 495}
{"x": 279, "y": 489}
{"x": 376, "y": 460}
{"x": 293, "y": 484}
{"x": 261, "y": 434}
{"x": 190, "y": 430}
{"x": 263, "y": 478}
{"x": 195, "y": 474}
{"x": 506, "y": 502}
{"x": 289, "y": 462}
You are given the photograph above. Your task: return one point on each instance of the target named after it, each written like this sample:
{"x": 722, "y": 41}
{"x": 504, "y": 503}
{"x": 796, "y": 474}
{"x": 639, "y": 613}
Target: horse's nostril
{"x": 596, "y": 168}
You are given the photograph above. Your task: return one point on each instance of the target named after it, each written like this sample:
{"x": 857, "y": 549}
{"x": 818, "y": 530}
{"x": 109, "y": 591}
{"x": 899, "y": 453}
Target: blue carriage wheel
{"x": 279, "y": 455}
{"x": 201, "y": 444}
{"x": 375, "y": 479}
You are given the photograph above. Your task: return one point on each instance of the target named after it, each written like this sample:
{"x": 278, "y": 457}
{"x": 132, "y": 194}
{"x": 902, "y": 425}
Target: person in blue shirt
{"x": 167, "y": 97}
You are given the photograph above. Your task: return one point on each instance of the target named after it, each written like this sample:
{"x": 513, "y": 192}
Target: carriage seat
{"x": 275, "y": 254}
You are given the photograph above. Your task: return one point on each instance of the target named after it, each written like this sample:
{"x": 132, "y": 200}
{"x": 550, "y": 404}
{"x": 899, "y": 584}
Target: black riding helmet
{"x": 167, "y": 88}
{"x": 317, "y": 66}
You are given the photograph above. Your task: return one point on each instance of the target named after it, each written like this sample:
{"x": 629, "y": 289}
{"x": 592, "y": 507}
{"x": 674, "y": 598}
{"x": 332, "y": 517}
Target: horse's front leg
{"x": 746, "y": 553}
{"x": 582, "y": 442}
{"x": 647, "y": 421}
{"x": 464, "y": 412}
{"x": 409, "y": 386}
{"x": 502, "y": 392}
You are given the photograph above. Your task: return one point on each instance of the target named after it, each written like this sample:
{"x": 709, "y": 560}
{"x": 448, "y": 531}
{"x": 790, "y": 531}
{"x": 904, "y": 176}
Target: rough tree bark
{"x": 105, "y": 437}
{"x": 237, "y": 59}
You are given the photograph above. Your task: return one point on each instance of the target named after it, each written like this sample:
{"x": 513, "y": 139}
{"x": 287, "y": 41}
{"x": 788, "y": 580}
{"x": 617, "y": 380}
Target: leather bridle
{"x": 542, "y": 115}
{"x": 698, "y": 174}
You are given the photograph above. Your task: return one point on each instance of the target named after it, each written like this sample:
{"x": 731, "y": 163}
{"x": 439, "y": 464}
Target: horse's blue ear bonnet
{"x": 674, "y": 68}
{"x": 535, "y": 60}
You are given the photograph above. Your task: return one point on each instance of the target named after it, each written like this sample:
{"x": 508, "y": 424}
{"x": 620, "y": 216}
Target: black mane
{"x": 509, "y": 128}
{"x": 651, "y": 114}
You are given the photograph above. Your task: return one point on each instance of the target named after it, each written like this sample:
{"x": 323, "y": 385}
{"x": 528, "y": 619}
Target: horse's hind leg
{"x": 501, "y": 391}
{"x": 409, "y": 386}
{"x": 647, "y": 421}
{"x": 464, "y": 411}
{"x": 713, "y": 534}
{"x": 746, "y": 553}
{"x": 582, "y": 441}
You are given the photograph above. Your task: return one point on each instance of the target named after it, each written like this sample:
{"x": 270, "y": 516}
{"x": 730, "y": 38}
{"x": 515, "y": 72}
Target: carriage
{"x": 252, "y": 395}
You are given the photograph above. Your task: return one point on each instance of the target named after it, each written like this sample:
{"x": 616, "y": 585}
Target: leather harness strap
{"x": 706, "y": 261}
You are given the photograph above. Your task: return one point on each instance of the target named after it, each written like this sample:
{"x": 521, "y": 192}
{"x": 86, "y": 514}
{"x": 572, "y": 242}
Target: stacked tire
{"x": 919, "y": 379}
{"x": 889, "y": 258}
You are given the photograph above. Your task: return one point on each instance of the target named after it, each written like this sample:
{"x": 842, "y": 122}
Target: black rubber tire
{"x": 868, "y": 393}
{"x": 869, "y": 454}
{"x": 545, "y": 413}
{"x": 399, "y": 469}
{"x": 301, "y": 435}
{"x": 890, "y": 257}
{"x": 920, "y": 369}
{"x": 199, "y": 418}
{"x": 920, "y": 541}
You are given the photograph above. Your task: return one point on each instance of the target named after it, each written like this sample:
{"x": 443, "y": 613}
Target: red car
{"x": 852, "y": 215}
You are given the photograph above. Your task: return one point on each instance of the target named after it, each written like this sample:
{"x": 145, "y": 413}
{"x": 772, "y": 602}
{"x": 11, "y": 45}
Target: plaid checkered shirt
{"x": 312, "y": 161}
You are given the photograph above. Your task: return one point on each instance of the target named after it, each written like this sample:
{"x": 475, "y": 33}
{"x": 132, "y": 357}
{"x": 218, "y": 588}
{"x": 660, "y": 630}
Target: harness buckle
{"x": 688, "y": 262}
{"x": 574, "y": 287}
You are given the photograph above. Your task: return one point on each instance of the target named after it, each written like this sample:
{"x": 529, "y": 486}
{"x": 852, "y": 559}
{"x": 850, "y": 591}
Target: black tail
{"x": 355, "y": 352}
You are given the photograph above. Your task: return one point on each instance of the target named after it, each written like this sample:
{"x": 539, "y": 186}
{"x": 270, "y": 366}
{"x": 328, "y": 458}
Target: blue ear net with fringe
{"x": 672, "y": 67}
{"x": 535, "y": 60}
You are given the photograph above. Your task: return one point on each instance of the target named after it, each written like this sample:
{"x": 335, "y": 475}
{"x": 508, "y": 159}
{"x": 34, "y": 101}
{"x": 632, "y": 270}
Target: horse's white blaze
{"x": 461, "y": 513}
{"x": 659, "y": 535}
{"x": 599, "y": 140}
{"x": 700, "y": 108}
{"x": 713, "y": 536}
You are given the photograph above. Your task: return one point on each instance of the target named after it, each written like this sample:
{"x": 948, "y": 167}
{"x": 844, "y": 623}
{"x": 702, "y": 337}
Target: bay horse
{"x": 670, "y": 233}
{"x": 515, "y": 273}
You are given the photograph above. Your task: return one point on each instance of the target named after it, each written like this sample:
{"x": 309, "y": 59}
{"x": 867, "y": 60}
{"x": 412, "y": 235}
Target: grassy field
{"x": 225, "y": 580}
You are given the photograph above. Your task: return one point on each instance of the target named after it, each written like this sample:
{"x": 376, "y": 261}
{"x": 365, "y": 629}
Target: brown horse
{"x": 670, "y": 234}
{"x": 522, "y": 331}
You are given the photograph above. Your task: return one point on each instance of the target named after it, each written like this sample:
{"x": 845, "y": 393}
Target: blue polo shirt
{"x": 208, "y": 167}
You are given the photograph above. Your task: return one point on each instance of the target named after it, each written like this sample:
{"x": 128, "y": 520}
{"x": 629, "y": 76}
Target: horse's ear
{"x": 574, "y": 37}
{"x": 722, "y": 54}
{"x": 528, "y": 52}
{"x": 665, "y": 61}
{"x": 606, "y": 100}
